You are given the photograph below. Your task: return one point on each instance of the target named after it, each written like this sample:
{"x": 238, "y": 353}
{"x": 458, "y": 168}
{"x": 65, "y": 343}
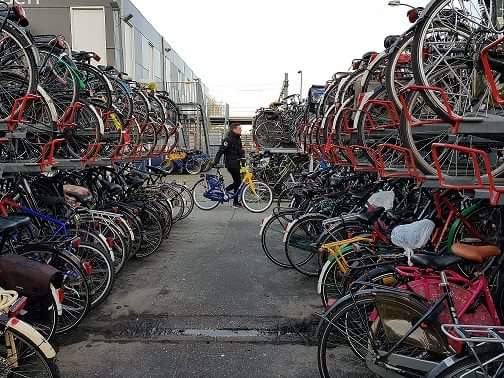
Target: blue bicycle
{"x": 210, "y": 191}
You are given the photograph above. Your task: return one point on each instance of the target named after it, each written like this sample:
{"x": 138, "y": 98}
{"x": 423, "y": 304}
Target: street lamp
{"x": 300, "y": 72}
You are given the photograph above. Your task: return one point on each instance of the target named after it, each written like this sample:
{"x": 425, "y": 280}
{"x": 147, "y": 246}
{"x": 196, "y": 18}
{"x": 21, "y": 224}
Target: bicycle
{"x": 210, "y": 191}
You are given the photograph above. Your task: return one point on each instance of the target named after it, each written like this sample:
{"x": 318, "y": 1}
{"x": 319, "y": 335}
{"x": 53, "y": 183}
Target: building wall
{"x": 53, "y": 17}
{"x": 154, "y": 58}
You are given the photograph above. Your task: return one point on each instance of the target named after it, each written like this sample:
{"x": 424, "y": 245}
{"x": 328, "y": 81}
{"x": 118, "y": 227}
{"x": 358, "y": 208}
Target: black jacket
{"x": 232, "y": 149}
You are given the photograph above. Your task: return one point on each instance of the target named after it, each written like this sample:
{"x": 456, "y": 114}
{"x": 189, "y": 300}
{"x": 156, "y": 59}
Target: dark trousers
{"x": 235, "y": 174}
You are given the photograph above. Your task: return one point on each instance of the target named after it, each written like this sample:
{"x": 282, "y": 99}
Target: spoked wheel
{"x": 450, "y": 39}
{"x": 152, "y": 233}
{"x": 257, "y": 197}
{"x": 299, "y": 244}
{"x": 187, "y": 198}
{"x": 269, "y": 134}
{"x": 198, "y": 193}
{"x": 193, "y": 166}
{"x": 87, "y": 130}
{"x": 452, "y": 163}
{"x": 29, "y": 360}
{"x": 272, "y": 233}
{"x": 77, "y": 299}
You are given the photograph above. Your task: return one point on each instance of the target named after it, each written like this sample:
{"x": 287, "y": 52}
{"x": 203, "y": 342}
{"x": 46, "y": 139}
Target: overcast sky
{"x": 242, "y": 48}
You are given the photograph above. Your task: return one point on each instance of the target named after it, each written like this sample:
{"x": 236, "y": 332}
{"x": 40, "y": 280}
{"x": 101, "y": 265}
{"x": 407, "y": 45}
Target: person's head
{"x": 236, "y": 128}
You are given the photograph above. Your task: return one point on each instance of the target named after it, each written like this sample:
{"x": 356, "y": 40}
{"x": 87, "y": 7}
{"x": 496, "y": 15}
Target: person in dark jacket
{"x": 232, "y": 149}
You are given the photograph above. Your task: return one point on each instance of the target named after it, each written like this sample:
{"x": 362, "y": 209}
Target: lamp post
{"x": 300, "y": 72}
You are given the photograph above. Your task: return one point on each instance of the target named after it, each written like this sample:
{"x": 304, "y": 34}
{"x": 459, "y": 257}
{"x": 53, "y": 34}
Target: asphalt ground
{"x": 208, "y": 304}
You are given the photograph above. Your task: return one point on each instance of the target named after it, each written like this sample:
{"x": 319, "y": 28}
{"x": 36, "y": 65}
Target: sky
{"x": 241, "y": 48}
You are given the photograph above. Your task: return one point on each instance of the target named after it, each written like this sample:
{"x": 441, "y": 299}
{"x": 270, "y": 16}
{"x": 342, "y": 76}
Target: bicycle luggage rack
{"x": 402, "y": 165}
{"x": 481, "y": 182}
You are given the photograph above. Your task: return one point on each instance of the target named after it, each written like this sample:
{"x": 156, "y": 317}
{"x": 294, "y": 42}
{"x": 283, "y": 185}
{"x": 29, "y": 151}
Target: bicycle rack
{"x": 118, "y": 154}
{"x": 402, "y": 165}
{"x": 47, "y": 155}
{"x": 358, "y": 165}
{"x": 91, "y": 154}
{"x": 390, "y": 110}
{"x": 346, "y": 125}
{"x": 5, "y": 203}
{"x": 487, "y": 70}
{"x": 18, "y": 109}
{"x": 68, "y": 118}
{"x": 482, "y": 179}
{"x": 453, "y": 119}
{"x": 136, "y": 153}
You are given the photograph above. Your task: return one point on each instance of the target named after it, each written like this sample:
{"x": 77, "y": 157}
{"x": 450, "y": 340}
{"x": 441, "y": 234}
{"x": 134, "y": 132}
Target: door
{"x": 88, "y": 31}
{"x": 129, "y": 49}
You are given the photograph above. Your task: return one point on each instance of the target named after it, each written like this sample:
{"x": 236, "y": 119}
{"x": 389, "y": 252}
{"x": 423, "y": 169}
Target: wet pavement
{"x": 208, "y": 304}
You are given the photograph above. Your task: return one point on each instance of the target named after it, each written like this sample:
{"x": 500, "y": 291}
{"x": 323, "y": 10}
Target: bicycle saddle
{"x": 475, "y": 253}
{"x": 434, "y": 261}
{"x": 79, "y": 193}
{"x": 12, "y": 223}
{"x": 414, "y": 235}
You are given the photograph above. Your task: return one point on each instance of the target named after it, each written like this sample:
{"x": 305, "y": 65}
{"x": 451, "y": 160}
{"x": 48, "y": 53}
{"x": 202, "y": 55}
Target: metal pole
{"x": 300, "y": 72}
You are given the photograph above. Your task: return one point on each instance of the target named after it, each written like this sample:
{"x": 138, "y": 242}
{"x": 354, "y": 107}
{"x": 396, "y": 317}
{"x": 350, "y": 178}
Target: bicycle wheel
{"x": 152, "y": 232}
{"x": 30, "y": 360}
{"x": 299, "y": 243}
{"x": 193, "y": 166}
{"x": 17, "y": 61}
{"x": 489, "y": 365}
{"x": 272, "y": 233}
{"x": 198, "y": 194}
{"x": 101, "y": 277}
{"x": 77, "y": 299}
{"x": 187, "y": 197}
{"x": 257, "y": 197}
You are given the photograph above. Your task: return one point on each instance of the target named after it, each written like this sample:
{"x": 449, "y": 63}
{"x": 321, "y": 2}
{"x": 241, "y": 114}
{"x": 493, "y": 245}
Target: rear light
{"x": 61, "y": 295}
{"x": 110, "y": 242}
{"x": 356, "y": 64}
{"x": 115, "y": 210}
{"x": 17, "y": 307}
{"x": 97, "y": 57}
{"x": 76, "y": 243}
{"x": 88, "y": 268}
{"x": 413, "y": 15}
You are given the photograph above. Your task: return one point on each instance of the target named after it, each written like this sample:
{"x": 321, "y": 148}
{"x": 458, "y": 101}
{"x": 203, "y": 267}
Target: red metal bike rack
{"x": 487, "y": 70}
{"x": 47, "y": 155}
{"x": 404, "y": 163}
{"x": 68, "y": 118}
{"x": 91, "y": 154}
{"x": 18, "y": 109}
{"x": 453, "y": 119}
{"x": 482, "y": 178}
{"x": 7, "y": 203}
{"x": 369, "y": 154}
{"x": 391, "y": 111}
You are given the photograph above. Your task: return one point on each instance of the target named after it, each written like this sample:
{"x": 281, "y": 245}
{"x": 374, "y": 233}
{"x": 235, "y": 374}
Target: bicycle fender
{"x": 31, "y": 333}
